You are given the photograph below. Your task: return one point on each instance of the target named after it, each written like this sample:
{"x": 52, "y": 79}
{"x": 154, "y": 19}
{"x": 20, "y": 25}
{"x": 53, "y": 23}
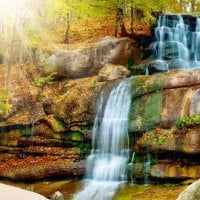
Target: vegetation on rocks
{"x": 188, "y": 121}
{"x": 44, "y": 80}
{"x": 50, "y": 84}
{"x": 5, "y": 106}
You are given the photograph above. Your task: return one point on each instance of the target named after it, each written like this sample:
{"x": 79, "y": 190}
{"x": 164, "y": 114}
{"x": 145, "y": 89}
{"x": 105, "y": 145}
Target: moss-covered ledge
{"x": 176, "y": 79}
{"x": 184, "y": 140}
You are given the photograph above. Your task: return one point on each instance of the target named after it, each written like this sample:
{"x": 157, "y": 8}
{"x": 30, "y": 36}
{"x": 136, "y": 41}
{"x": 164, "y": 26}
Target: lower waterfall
{"x": 106, "y": 165}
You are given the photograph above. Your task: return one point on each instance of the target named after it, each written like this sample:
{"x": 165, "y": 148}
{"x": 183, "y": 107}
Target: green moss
{"x": 159, "y": 82}
{"x": 86, "y": 148}
{"x": 138, "y": 85}
{"x": 137, "y": 110}
{"x": 148, "y": 84}
{"x": 56, "y": 124}
{"x": 74, "y": 137}
{"x": 26, "y": 132}
{"x": 137, "y": 69}
{"x": 152, "y": 111}
{"x": 146, "y": 112}
{"x": 44, "y": 80}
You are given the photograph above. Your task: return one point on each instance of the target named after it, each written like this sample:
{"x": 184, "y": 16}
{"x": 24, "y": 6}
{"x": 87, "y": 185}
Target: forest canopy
{"x": 43, "y": 23}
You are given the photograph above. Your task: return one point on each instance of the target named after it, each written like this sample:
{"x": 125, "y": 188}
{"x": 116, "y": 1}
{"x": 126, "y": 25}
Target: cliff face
{"x": 47, "y": 132}
{"x": 165, "y": 119}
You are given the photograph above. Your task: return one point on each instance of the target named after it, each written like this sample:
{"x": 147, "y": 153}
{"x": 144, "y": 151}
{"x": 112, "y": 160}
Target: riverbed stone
{"x": 192, "y": 192}
{"x": 9, "y": 193}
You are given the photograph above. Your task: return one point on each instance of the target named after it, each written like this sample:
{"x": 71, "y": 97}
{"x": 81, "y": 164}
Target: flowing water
{"x": 106, "y": 165}
{"x": 177, "y": 45}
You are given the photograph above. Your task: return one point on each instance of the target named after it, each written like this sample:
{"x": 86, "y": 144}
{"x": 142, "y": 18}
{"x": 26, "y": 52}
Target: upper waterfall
{"x": 106, "y": 165}
{"x": 177, "y": 44}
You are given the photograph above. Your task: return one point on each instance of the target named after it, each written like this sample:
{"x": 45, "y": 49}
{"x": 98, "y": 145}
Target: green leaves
{"x": 188, "y": 121}
{"x": 4, "y": 104}
{"x": 44, "y": 80}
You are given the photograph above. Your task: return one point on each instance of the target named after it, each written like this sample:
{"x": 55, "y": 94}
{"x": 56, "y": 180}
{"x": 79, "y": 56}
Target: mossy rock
{"x": 74, "y": 137}
{"x": 146, "y": 112}
{"x": 148, "y": 84}
{"x": 56, "y": 124}
{"x": 86, "y": 147}
{"x": 10, "y": 138}
{"x": 45, "y": 131}
{"x": 137, "y": 69}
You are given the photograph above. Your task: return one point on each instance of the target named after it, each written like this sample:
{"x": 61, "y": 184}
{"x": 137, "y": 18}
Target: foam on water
{"x": 106, "y": 165}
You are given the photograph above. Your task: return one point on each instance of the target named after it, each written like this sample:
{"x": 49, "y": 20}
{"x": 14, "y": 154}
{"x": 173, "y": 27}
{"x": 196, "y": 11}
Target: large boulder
{"x": 89, "y": 58}
{"x": 191, "y": 193}
{"x": 156, "y": 66}
{"x": 10, "y": 193}
{"x": 76, "y": 104}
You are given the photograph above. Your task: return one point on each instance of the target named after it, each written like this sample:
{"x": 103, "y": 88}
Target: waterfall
{"x": 177, "y": 44}
{"x": 106, "y": 165}
{"x": 196, "y": 44}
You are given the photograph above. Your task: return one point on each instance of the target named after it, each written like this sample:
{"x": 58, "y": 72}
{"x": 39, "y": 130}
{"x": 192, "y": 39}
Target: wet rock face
{"x": 57, "y": 143}
{"x": 157, "y": 66}
{"x": 174, "y": 140}
{"x": 88, "y": 61}
{"x": 159, "y": 101}
{"x": 195, "y": 103}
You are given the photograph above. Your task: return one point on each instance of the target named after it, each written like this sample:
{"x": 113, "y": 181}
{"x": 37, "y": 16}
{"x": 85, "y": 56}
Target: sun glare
{"x": 8, "y": 8}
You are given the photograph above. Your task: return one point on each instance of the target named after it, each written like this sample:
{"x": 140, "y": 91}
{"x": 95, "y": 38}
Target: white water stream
{"x": 107, "y": 163}
{"x": 177, "y": 45}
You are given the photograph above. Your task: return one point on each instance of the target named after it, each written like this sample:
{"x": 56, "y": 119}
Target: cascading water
{"x": 195, "y": 47}
{"x": 106, "y": 165}
{"x": 177, "y": 45}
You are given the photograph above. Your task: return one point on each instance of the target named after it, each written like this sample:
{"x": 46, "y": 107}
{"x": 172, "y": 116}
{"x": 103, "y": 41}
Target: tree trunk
{"x": 67, "y": 29}
{"x": 122, "y": 25}
{"x": 116, "y": 23}
{"x": 132, "y": 20}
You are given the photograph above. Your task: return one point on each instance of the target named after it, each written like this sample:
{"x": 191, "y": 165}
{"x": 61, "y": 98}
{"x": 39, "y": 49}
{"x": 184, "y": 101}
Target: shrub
{"x": 5, "y": 106}
{"x": 188, "y": 121}
{"x": 44, "y": 80}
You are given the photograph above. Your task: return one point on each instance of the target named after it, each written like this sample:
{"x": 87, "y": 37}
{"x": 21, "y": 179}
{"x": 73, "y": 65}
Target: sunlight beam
{"x": 8, "y": 8}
